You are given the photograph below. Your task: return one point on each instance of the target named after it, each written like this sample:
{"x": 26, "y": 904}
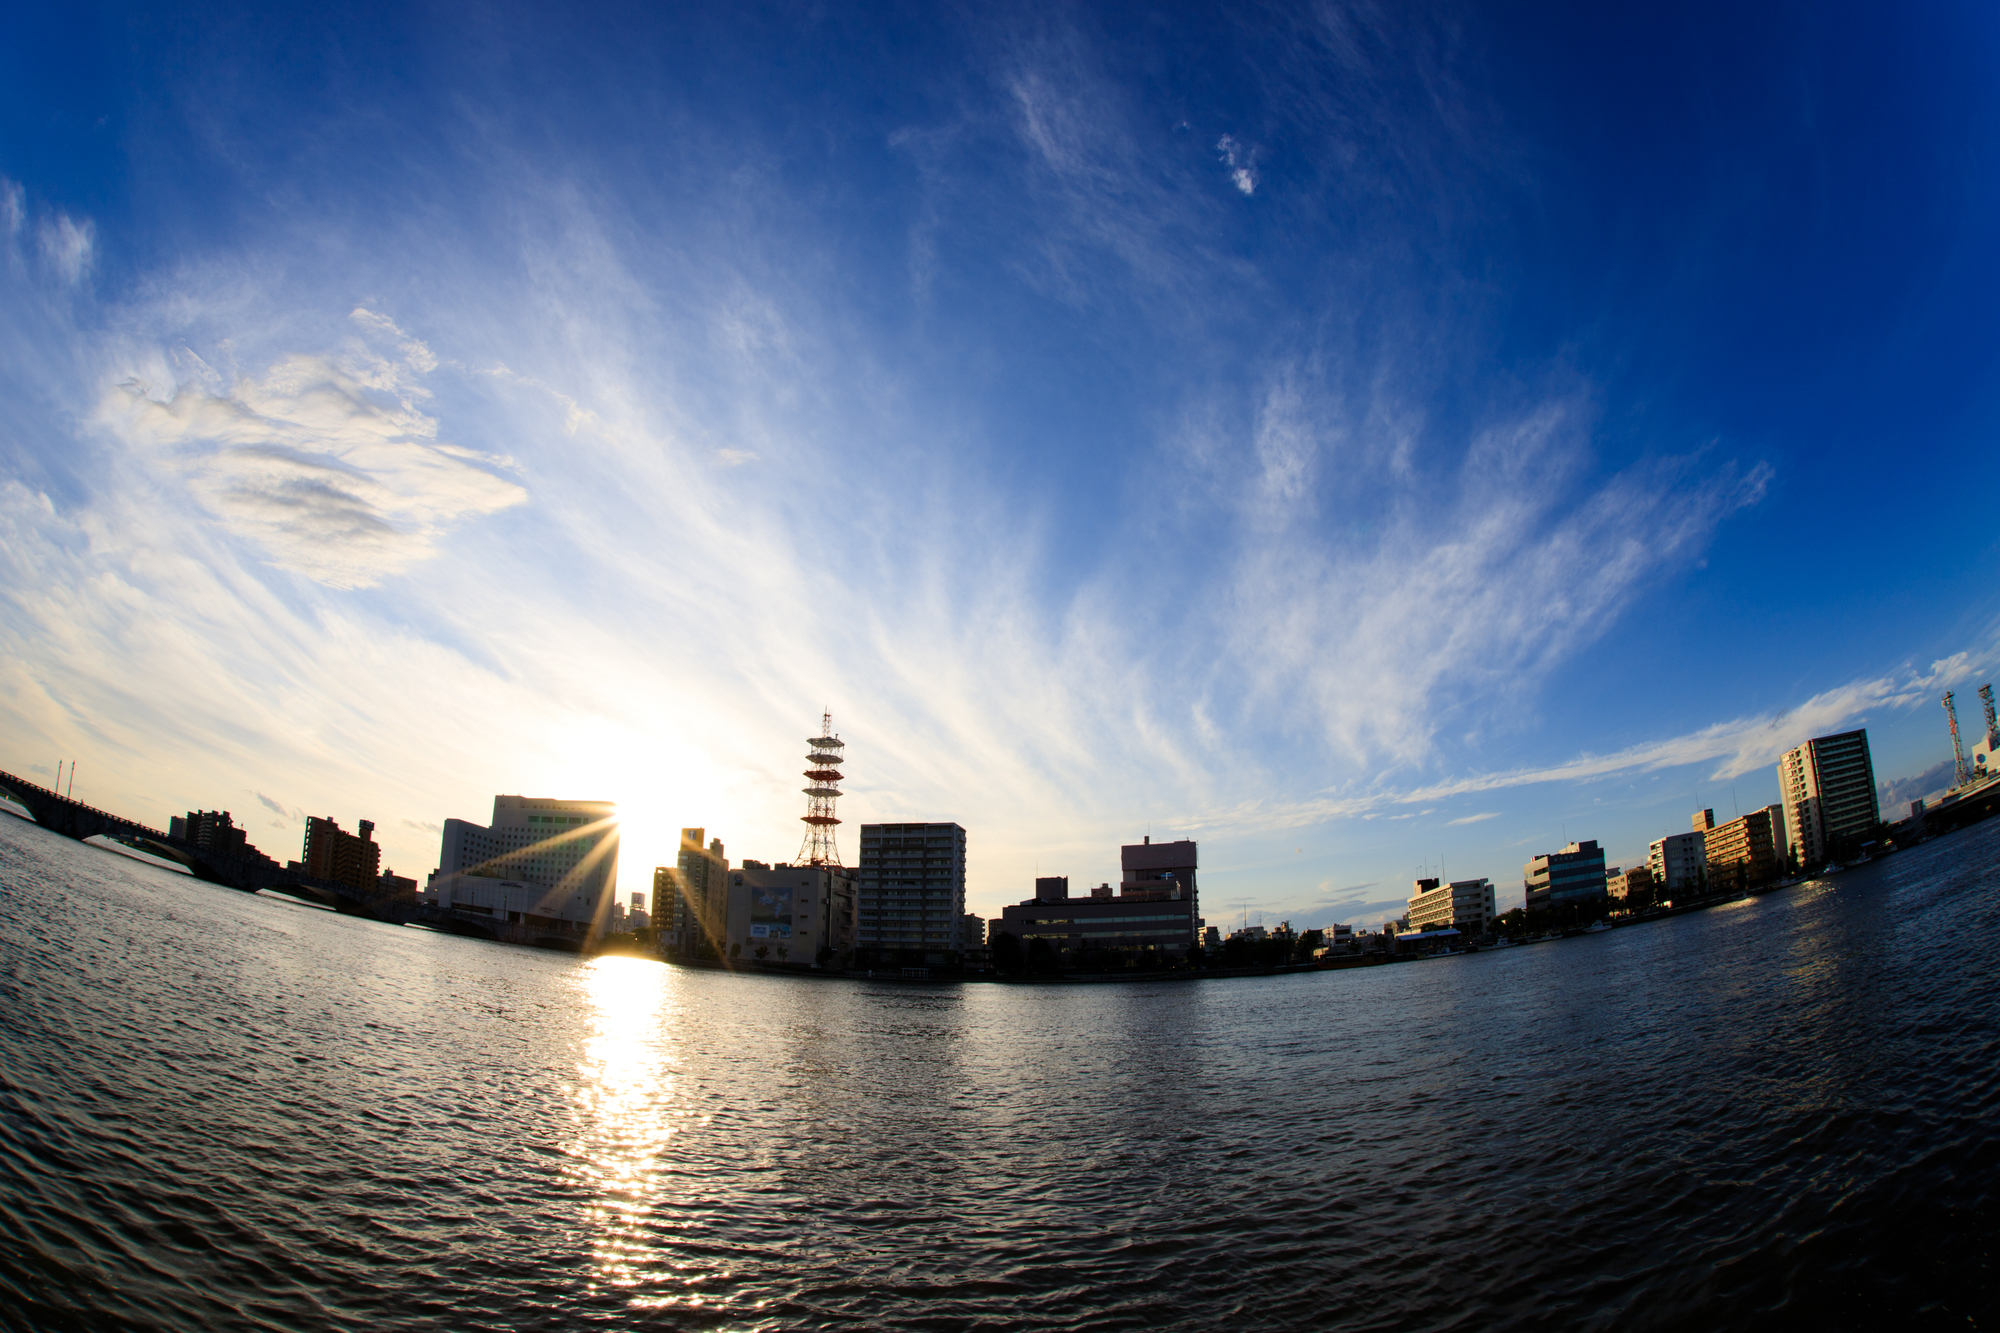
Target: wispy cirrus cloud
{"x": 1734, "y": 748}
{"x": 1469, "y": 580}
{"x": 325, "y": 461}
{"x": 68, "y": 246}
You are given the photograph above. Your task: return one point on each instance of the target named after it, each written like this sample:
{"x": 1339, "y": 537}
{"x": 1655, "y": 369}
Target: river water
{"x": 220, "y": 1111}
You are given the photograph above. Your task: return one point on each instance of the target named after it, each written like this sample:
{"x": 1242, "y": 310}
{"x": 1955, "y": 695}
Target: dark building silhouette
{"x": 209, "y": 831}
{"x": 1155, "y": 907}
{"x": 1159, "y": 870}
{"x": 340, "y": 857}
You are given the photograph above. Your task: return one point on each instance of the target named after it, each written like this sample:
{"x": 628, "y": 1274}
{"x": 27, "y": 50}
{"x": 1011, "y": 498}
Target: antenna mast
{"x": 1957, "y": 749}
{"x": 1992, "y": 731}
{"x": 819, "y": 848}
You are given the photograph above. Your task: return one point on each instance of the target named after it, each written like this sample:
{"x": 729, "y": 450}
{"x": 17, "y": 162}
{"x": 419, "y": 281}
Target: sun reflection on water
{"x": 624, "y": 1097}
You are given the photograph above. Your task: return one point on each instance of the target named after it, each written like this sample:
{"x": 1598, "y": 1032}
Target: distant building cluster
{"x": 544, "y": 870}
{"x": 544, "y": 867}
{"x": 1828, "y": 808}
{"x": 208, "y": 831}
{"x": 901, "y": 907}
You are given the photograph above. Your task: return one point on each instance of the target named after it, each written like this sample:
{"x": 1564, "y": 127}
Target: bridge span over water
{"x": 247, "y": 872}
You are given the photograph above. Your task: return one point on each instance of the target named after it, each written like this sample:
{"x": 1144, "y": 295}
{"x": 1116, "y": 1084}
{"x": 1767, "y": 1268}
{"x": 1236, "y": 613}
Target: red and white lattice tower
{"x": 823, "y": 771}
{"x": 1957, "y": 749}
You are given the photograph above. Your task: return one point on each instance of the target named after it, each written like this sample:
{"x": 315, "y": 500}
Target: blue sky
{"x": 1355, "y": 437}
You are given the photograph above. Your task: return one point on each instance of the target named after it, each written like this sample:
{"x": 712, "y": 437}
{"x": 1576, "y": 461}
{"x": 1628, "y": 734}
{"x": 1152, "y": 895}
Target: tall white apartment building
{"x": 542, "y": 863}
{"x": 911, "y": 887}
{"x": 1827, "y": 790}
{"x": 1677, "y": 861}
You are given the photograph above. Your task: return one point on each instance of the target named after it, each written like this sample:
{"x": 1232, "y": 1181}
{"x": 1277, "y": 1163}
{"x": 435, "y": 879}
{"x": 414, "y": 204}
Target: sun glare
{"x": 624, "y": 1097}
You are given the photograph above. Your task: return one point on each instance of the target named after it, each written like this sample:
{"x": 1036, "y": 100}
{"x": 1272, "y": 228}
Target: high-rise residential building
{"x": 1743, "y": 852}
{"x": 665, "y": 907}
{"x": 544, "y": 864}
{"x": 1678, "y": 862}
{"x": 911, "y": 887}
{"x": 691, "y": 897}
{"x": 340, "y": 857}
{"x": 971, "y": 932}
{"x": 1464, "y": 905}
{"x": 1574, "y": 875}
{"x": 1827, "y": 790}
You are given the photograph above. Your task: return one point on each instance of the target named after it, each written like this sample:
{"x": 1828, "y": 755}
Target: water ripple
{"x": 233, "y": 1112}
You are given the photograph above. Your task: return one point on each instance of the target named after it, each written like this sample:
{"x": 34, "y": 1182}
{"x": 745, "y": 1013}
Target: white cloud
{"x": 324, "y": 461}
{"x": 1238, "y": 160}
{"x": 1481, "y": 817}
{"x": 1735, "y": 747}
{"x": 1895, "y": 797}
{"x": 415, "y": 355}
{"x": 68, "y": 246}
{"x": 1472, "y": 582}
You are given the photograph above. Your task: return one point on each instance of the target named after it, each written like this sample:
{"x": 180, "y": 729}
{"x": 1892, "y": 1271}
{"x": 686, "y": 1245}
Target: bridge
{"x": 248, "y": 871}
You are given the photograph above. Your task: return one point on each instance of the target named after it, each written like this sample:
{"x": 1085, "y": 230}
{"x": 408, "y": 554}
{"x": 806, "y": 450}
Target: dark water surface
{"x": 220, "y": 1111}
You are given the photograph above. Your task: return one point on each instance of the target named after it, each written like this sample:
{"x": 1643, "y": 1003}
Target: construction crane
{"x": 1957, "y": 749}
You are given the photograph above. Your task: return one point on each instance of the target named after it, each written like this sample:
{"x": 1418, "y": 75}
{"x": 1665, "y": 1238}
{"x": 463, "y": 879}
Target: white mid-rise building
{"x": 1677, "y": 861}
{"x": 789, "y": 914}
{"x": 542, "y": 863}
{"x": 1464, "y": 905}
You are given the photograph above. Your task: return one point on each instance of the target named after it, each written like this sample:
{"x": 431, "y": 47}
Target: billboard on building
{"x": 771, "y": 913}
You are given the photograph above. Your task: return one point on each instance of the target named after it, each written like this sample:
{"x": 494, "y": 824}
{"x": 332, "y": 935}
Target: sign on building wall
{"x": 771, "y": 914}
